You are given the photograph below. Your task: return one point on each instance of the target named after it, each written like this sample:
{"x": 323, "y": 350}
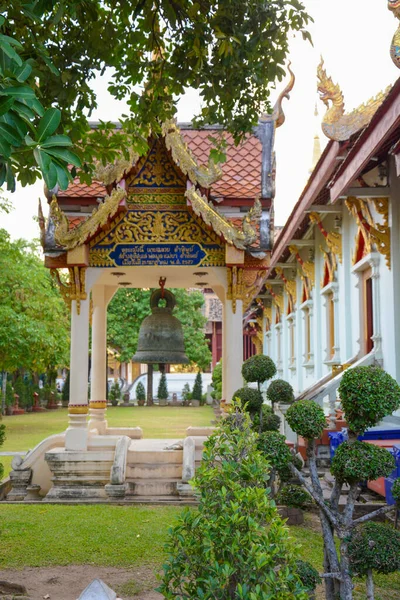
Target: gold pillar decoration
{"x": 277, "y": 299}
{"x": 74, "y": 288}
{"x": 373, "y": 233}
{"x": 290, "y": 286}
{"x": 333, "y": 239}
{"x": 330, "y": 265}
{"x": 268, "y": 317}
{"x": 235, "y": 285}
{"x": 307, "y": 267}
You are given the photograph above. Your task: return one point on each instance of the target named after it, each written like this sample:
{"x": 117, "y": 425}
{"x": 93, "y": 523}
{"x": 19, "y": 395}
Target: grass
{"x": 123, "y": 536}
{"x": 24, "y": 432}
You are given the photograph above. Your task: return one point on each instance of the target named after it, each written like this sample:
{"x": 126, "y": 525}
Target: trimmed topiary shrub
{"x": 367, "y": 395}
{"x": 162, "y": 393}
{"x": 294, "y": 496}
{"x": 273, "y": 447}
{"x": 396, "y": 491}
{"x": 234, "y": 545}
{"x": 307, "y": 419}
{"x": 280, "y": 391}
{"x": 258, "y": 368}
{"x": 359, "y": 461}
{"x": 250, "y": 398}
{"x": 140, "y": 392}
{"x": 197, "y": 392}
{"x": 374, "y": 547}
{"x": 115, "y": 393}
{"x": 216, "y": 377}
{"x": 270, "y": 421}
{"x": 309, "y": 576}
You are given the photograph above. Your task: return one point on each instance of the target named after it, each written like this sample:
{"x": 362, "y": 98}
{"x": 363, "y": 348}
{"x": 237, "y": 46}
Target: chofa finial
{"x": 394, "y": 6}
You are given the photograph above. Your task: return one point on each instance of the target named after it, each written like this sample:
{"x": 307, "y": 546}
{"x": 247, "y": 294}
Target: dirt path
{"x": 66, "y": 583}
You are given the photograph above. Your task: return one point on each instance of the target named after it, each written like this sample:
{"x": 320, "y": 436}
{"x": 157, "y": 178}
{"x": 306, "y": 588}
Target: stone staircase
{"x": 154, "y": 470}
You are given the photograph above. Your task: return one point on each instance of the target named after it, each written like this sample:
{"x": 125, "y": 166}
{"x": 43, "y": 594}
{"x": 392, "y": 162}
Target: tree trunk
{"x": 370, "y": 586}
{"x": 3, "y": 394}
{"x": 149, "y": 385}
{"x": 261, "y": 412}
{"x": 346, "y": 586}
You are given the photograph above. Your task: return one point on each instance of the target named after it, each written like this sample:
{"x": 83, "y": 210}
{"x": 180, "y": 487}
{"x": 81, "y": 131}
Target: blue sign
{"x": 157, "y": 254}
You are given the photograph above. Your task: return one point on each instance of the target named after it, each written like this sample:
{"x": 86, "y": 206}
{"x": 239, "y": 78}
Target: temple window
{"x": 367, "y": 272}
{"x": 331, "y": 301}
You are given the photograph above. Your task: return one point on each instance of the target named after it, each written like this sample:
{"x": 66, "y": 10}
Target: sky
{"x": 353, "y": 36}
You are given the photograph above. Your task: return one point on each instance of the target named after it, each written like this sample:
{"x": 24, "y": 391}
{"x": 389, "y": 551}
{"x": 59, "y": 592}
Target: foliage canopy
{"x": 51, "y": 51}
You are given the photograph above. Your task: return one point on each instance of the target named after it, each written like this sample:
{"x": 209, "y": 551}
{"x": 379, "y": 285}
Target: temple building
{"x": 333, "y": 284}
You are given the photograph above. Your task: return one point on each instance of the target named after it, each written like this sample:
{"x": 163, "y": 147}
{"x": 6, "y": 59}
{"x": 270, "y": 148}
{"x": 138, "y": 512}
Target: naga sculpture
{"x": 338, "y": 125}
{"x": 394, "y": 6}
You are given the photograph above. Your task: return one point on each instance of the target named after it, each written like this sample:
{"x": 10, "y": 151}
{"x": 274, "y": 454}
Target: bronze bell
{"x": 161, "y": 335}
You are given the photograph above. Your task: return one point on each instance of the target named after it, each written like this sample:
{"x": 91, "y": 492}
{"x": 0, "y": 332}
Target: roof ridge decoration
{"x": 338, "y": 125}
{"x": 114, "y": 172}
{"x": 240, "y": 238}
{"x": 278, "y": 116}
{"x": 184, "y": 159}
{"x": 394, "y": 6}
{"x": 70, "y": 239}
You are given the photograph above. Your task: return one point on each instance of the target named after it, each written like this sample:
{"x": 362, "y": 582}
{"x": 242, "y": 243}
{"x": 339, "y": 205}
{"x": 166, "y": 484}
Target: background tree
{"x": 197, "y": 392}
{"x": 65, "y": 390}
{"x": 34, "y": 320}
{"x": 162, "y": 393}
{"x": 2, "y": 438}
{"x": 235, "y": 545}
{"x": 230, "y": 51}
{"x": 367, "y": 395}
{"x": 128, "y": 308}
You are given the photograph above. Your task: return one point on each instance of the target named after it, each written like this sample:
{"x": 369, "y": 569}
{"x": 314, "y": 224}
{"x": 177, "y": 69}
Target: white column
{"x": 376, "y": 310}
{"x": 98, "y": 379}
{"x": 77, "y": 433}
{"x": 233, "y": 348}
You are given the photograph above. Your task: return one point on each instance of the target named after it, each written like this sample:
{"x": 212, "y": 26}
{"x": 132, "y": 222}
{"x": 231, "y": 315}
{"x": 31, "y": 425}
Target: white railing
{"x": 325, "y": 391}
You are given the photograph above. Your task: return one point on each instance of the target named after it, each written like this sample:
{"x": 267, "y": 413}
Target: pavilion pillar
{"x": 232, "y": 356}
{"x": 76, "y": 436}
{"x": 98, "y": 378}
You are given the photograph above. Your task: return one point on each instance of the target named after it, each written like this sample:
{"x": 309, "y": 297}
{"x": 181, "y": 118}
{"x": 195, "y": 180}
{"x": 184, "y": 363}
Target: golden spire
{"x": 317, "y": 142}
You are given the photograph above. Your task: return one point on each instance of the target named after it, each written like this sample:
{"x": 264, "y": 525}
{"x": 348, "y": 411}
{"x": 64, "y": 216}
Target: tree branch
{"x": 319, "y": 499}
{"x": 376, "y": 513}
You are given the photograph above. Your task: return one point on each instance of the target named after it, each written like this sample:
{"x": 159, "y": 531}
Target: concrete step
{"x": 154, "y": 471}
{"x": 154, "y": 452}
{"x": 157, "y": 487}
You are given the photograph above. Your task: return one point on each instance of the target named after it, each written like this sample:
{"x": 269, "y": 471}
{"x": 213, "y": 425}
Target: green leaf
{"x": 29, "y": 141}
{"x": 48, "y": 123}
{"x": 24, "y": 112}
{"x": 50, "y": 176}
{"x": 9, "y": 40}
{"x": 10, "y": 178}
{"x": 63, "y": 176}
{"x": 65, "y": 155}
{"x": 35, "y": 105}
{"x": 42, "y": 158}
{"x": 50, "y": 65}
{"x": 19, "y": 92}
{"x": 5, "y": 148}
{"x": 56, "y": 140}
{"x": 10, "y": 134}
{"x": 10, "y": 52}
{"x": 3, "y": 173}
{"x": 5, "y": 105}
{"x": 23, "y": 72}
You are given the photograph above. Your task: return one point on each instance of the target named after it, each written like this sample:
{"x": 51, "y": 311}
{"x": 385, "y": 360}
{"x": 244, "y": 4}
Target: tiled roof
{"x": 75, "y": 221}
{"x": 242, "y": 169}
{"x": 81, "y": 190}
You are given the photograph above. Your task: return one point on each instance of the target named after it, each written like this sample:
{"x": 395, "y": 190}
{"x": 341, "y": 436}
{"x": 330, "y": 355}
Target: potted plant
{"x": 115, "y": 393}
{"x": 140, "y": 394}
{"x": 162, "y": 393}
{"x": 197, "y": 392}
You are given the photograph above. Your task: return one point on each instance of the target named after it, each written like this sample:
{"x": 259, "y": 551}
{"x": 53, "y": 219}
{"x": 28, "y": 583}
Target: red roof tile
{"x": 81, "y": 190}
{"x": 242, "y": 169}
{"x": 75, "y": 221}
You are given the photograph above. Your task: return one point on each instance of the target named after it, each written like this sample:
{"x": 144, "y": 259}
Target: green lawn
{"x": 125, "y": 536}
{"x": 24, "y": 432}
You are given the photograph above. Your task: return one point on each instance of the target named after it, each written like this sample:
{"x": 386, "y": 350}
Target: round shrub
{"x": 359, "y": 461}
{"x": 368, "y": 394}
{"x": 294, "y": 496}
{"x": 306, "y": 418}
{"x": 273, "y": 447}
{"x": 250, "y": 397}
{"x": 375, "y": 547}
{"x": 140, "y": 391}
{"x": 270, "y": 421}
{"x": 280, "y": 391}
{"x": 258, "y": 368}
{"x": 308, "y": 576}
{"x": 396, "y": 491}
